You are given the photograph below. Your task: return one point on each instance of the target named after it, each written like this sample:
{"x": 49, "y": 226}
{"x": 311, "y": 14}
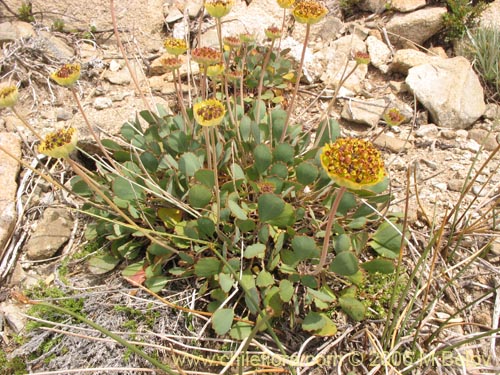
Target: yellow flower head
{"x": 59, "y": 144}
{"x": 309, "y": 12}
{"x": 206, "y": 56}
{"x": 273, "y": 32}
{"x": 171, "y": 63}
{"x": 353, "y": 163}
{"x": 362, "y": 58}
{"x": 8, "y": 96}
{"x": 218, "y": 8}
{"x": 215, "y": 71}
{"x": 175, "y": 46}
{"x": 286, "y": 3}
{"x": 66, "y": 75}
{"x": 209, "y": 112}
{"x": 393, "y": 117}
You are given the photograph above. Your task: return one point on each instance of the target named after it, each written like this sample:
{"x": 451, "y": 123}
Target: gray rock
{"x": 427, "y": 130}
{"x": 52, "y": 232}
{"x": 173, "y": 15}
{"x": 405, "y": 59}
{"x": 366, "y": 112}
{"x": 492, "y": 111}
{"x": 10, "y": 31}
{"x": 375, "y": 6}
{"x": 484, "y": 137}
{"x": 62, "y": 114}
{"x": 407, "y": 5}
{"x": 102, "y": 103}
{"x": 13, "y": 315}
{"x": 416, "y": 26}
{"x": 9, "y": 168}
{"x": 55, "y": 47}
{"x": 380, "y": 54}
{"x": 121, "y": 77}
{"x": 392, "y": 144}
{"x": 450, "y": 90}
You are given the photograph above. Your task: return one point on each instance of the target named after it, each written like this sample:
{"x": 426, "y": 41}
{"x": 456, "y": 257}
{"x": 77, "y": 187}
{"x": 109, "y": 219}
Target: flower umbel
{"x": 59, "y": 143}
{"x": 206, "y": 56}
{"x": 393, "y": 117}
{"x": 175, "y": 46}
{"x": 353, "y": 163}
{"x": 273, "y": 32}
{"x": 362, "y": 58}
{"x": 209, "y": 112}
{"x": 286, "y": 3}
{"x": 8, "y": 96}
{"x": 171, "y": 63}
{"x": 232, "y": 42}
{"x": 66, "y": 75}
{"x": 309, "y": 12}
{"x": 218, "y": 8}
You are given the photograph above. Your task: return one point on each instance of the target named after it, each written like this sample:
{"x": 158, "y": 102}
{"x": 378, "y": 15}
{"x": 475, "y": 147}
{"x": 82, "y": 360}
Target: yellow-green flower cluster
{"x": 66, "y": 75}
{"x": 209, "y": 112}
{"x": 175, "y": 46}
{"x": 362, "y": 58}
{"x": 171, "y": 63}
{"x": 393, "y": 117}
{"x": 232, "y": 42}
{"x": 8, "y": 96}
{"x": 206, "y": 56}
{"x": 273, "y": 32}
{"x": 286, "y": 3}
{"x": 309, "y": 12}
{"x": 59, "y": 144}
{"x": 218, "y": 8}
{"x": 353, "y": 163}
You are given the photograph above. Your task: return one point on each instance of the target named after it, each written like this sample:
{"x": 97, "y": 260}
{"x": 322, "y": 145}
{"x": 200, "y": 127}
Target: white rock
{"x": 450, "y": 90}
{"x": 407, "y": 5}
{"x": 380, "y": 54}
{"x": 366, "y": 112}
{"x": 405, "y": 59}
{"x": 427, "y": 130}
{"x": 416, "y": 26}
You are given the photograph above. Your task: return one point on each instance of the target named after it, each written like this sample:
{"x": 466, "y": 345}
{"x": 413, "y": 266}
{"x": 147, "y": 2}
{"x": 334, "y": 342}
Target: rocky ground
{"x": 452, "y": 121}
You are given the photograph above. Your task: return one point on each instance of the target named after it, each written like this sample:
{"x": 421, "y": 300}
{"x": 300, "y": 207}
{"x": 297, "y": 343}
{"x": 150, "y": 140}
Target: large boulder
{"x": 450, "y": 90}
{"x": 416, "y": 26}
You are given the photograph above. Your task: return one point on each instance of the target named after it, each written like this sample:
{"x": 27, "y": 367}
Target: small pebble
{"x": 102, "y": 103}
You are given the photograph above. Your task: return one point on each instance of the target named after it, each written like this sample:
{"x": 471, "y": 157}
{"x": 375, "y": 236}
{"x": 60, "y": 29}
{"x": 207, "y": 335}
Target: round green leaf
{"x": 126, "y": 190}
{"x": 263, "y": 158}
{"x": 189, "y": 164}
{"x": 306, "y": 173}
{"x": 255, "y": 250}
{"x": 286, "y": 290}
{"x": 264, "y": 278}
{"x": 284, "y": 152}
{"x": 149, "y": 161}
{"x": 345, "y": 264}
{"x": 206, "y": 177}
{"x": 387, "y": 240}
{"x": 240, "y": 330}
{"x": 280, "y": 170}
{"x": 270, "y": 206}
{"x": 206, "y": 267}
{"x": 379, "y": 265}
{"x": 304, "y": 247}
{"x": 222, "y": 321}
{"x": 313, "y": 321}
{"x": 199, "y": 196}
{"x": 352, "y": 307}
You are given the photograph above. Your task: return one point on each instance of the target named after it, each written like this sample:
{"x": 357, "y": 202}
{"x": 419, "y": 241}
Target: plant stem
{"x": 282, "y": 29}
{"x": 27, "y": 124}
{"x": 91, "y": 129}
{"x": 216, "y": 173}
{"x": 178, "y": 90}
{"x": 261, "y": 80}
{"x": 297, "y": 84}
{"x": 328, "y": 230}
